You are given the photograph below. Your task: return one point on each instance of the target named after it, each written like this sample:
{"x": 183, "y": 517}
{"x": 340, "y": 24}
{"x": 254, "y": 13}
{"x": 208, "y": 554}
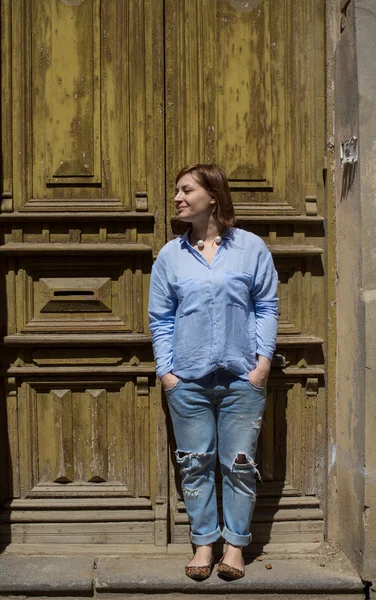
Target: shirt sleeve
{"x": 162, "y": 309}
{"x": 265, "y": 300}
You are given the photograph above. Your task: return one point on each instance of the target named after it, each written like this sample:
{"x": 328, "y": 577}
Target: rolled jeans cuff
{"x": 208, "y": 538}
{"x": 235, "y": 539}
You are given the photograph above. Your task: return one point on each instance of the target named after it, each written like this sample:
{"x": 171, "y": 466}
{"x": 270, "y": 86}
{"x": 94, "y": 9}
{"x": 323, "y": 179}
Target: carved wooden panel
{"x": 291, "y": 438}
{"x": 67, "y": 100}
{"x": 227, "y": 89}
{"x": 83, "y": 439}
{"x": 90, "y": 91}
{"x": 49, "y": 296}
{"x": 77, "y": 357}
{"x": 86, "y": 461}
{"x": 290, "y": 294}
{"x": 243, "y": 90}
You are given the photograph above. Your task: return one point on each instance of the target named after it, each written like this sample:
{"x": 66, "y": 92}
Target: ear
{"x": 213, "y": 201}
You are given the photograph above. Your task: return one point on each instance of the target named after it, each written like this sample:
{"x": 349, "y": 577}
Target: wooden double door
{"x": 103, "y": 102}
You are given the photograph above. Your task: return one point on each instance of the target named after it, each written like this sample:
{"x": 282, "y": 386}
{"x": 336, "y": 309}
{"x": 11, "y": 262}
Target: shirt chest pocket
{"x": 188, "y": 295}
{"x": 238, "y": 287}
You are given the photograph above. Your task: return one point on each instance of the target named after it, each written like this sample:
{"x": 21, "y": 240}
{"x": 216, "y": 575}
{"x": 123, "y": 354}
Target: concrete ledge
{"x": 32, "y": 575}
{"x": 158, "y": 576}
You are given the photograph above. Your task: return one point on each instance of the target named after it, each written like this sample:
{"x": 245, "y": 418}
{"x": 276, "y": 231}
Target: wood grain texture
{"x": 11, "y": 464}
{"x": 73, "y": 248}
{"x": 81, "y": 439}
{"x": 55, "y": 437}
{"x": 131, "y": 532}
{"x": 6, "y": 201}
{"x": 142, "y": 437}
{"x": 68, "y": 85}
{"x": 55, "y": 296}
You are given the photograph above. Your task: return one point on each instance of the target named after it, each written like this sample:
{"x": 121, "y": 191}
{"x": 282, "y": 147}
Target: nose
{"x": 178, "y": 196}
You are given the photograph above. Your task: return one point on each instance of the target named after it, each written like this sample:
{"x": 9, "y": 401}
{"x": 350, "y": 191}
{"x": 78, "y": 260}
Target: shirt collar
{"x": 184, "y": 238}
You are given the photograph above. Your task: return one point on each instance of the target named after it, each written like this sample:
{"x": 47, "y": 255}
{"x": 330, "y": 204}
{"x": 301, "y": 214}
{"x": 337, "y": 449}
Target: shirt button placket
{"x": 215, "y": 346}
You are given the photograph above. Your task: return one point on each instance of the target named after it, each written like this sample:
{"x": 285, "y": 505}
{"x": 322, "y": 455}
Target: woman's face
{"x": 193, "y": 203}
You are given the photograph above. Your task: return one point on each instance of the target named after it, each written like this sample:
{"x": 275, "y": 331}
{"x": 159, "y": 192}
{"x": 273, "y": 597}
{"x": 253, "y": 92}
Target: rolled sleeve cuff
{"x": 266, "y": 353}
{"x": 163, "y": 370}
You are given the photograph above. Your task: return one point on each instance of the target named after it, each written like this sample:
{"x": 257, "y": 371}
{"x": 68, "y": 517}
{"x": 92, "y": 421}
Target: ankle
{"x": 234, "y": 549}
{"x": 203, "y": 547}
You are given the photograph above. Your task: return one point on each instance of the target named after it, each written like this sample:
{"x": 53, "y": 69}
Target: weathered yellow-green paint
{"x": 55, "y": 451}
{"x": 6, "y": 107}
{"x": 135, "y": 90}
{"x": 68, "y": 61}
{"x": 242, "y": 125}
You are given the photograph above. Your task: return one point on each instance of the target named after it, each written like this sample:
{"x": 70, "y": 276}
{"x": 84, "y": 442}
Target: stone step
{"x": 162, "y": 577}
{"x": 98, "y": 550}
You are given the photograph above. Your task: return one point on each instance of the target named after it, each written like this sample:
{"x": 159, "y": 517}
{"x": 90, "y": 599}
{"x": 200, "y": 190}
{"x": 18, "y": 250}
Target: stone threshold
{"x": 151, "y": 576}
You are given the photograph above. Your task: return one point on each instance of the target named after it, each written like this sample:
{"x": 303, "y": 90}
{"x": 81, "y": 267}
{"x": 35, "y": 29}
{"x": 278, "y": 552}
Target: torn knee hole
{"x": 182, "y": 455}
{"x": 243, "y": 464}
{"x": 192, "y": 462}
{"x": 241, "y": 459}
{"x": 244, "y": 460}
{"x": 191, "y": 493}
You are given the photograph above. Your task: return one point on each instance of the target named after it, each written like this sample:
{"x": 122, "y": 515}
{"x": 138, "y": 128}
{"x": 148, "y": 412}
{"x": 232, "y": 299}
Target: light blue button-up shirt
{"x": 204, "y": 317}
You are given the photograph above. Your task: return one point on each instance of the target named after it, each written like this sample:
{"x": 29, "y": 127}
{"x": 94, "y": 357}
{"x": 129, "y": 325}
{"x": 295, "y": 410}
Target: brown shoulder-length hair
{"x": 213, "y": 179}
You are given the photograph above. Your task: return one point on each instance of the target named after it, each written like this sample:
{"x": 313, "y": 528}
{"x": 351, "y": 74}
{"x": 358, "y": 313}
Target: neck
{"x": 206, "y": 232}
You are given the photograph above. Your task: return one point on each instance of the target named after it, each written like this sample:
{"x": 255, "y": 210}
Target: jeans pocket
{"x": 177, "y": 384}
{"x": 258, "y": 388}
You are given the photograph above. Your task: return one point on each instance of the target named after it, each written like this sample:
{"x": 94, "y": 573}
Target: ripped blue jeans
{"x": 219, "y": 410}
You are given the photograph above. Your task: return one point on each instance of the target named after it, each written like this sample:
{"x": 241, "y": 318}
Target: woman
{"x": 213, "y": 318}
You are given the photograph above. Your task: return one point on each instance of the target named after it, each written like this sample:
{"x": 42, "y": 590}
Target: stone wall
{"x": 355, "y": 115}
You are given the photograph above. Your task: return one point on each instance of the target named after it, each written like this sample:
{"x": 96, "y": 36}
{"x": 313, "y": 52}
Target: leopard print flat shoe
{"x": 228, "y": 572}
{"x": 200, "y": 573}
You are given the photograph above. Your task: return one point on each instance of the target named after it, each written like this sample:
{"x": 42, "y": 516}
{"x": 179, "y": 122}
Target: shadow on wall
{"x": 348, "y": 176}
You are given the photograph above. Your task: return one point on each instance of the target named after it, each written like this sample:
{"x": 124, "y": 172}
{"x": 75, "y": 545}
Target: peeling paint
{"x": 244, "y": 5}
{"x": 366, "y": 512}
{"x": 72, "y": 2}
{"x": 333, "y": 456}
